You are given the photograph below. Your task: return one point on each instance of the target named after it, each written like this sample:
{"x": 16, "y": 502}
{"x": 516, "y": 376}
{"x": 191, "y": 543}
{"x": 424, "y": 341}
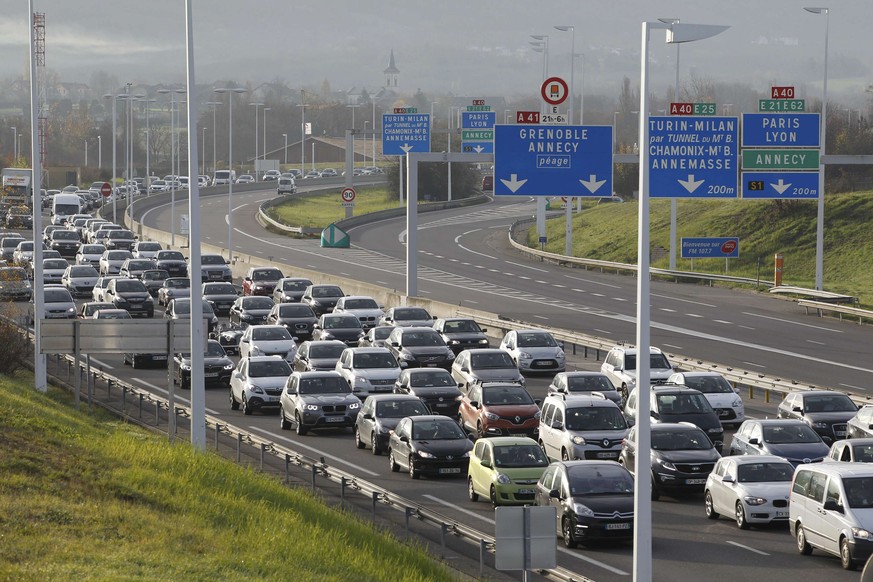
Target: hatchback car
{"x": 215, "y": 268}
{"x": 620, "y": 365}
{"x": 97, "y": 294}
{"x": 228, "y": 335}
{"x": 429, "y": 445}
{"x": 364, "y": 308}
{"x": 256, "y": 383}
{"x": 261, "y": 281}
{"x": 852, "y": 451}
{"x": 368, "y": 370}
{"x": 14, "y": 284}
{"x": 290, "y": 289}
{"x": 585, "y": 383}
{"x": 58, "y": 303}
{"x": 297, "y": 318}
{"x": 134, "y": 268}
{"x": 484, "y": 365}
{"x": 267, "y": 340}
{"x": 250, "y": 310}
{"x": 80, "y": 280}
{"x": 321, "y": 298}
{"x": 154, "y": 280}
{"x": 825, "y": 411}
{"x": 89, "y": 255}
{"x": 495, "y": 409}
{"x": 672, "y": 403}
{"x": 346, "y": 328}
{"x": 419, "y": 347}
{"x": 505, "y": 470}
{"x": 461, "y": 333}
{"x": 434, "y": 386}
{"x": 111, "y": 261}
{"x": 379, "y": 415}
{"x": 581, "y": 427}
{"x": 181, "y": 309}
{"x": 53, "y": 270}
{"x": 752, "y": 490}
{"x": 533, "y": 350}
{"x": 318, "y": 355}
{"x": 217, "y": 367}
{"x": 174, "y": 288}
{"x": 721, "y": 395}
{"x": 146, "y": 249}
{"x": 173, "y": 262}
{"x": 315, "y": 400}
{"x": 790, "y": 439}
{"x": 376, "y": 336}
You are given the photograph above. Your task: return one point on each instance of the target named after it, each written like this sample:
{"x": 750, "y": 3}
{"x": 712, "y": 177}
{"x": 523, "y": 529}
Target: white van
{"x": 223, "y": 177}
{"x": 64, "y": 205}
{"x": 831, "y": 509}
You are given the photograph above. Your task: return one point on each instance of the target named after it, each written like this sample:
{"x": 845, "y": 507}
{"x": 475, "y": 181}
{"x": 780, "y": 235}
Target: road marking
{"x": 559, "y": 286}
{"x": 598, "y": 294}
{"x": 101, "y": 363}
{"x": 382, "y": 282}
{"x": 541, "y": 282}
{"x": 456, "y": 508}
{"x": 523, "y": 277}
{"x": 754, "y": 364}
{"x": 851, "y": 386}
{"x": 579, "y": 290}
{"x": 816, "y": 343}
{"x": 595, "y": 282}
{"x": 619, "y": 299}
{"x": 313, "y": 449}
{"x": 746, "y": 327}
{"x": 526, "y": 267}
{"x": 469, "y": 301}
{"x": 748, "y": 548}
{"x": 793, "y": 322}
{"x": 541, "y": 317}
{"x": 603, "y": 331}
{"x": 672, "y": 346}
{"x": 693, "y": 315}
{"x": 667, "y": 310}
{"x": 722, "y": 321}
{"x": 684, "y": 300}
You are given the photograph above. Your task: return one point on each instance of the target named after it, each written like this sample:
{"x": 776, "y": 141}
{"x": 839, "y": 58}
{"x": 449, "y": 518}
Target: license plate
{"x": 334, "y": 419}
{"x": 450, "y": 470}
{"x": 840, "y": 433}
{"x": 215, "y": 276}
{"x": 164, "y": 357}
{"x": 723, "y": 413}
{"x": 442, "y": 405}
{"x": 781, "y": 514}
{"x": 430, "y": 365}
{"x": 525, "y": 491}
{"x": 210, "y": 375}
{"x": 695, "y": 481}
{"x": 543, "y": 364}
{"x": 618, "y": 526}
{"x": 607, "y": 455}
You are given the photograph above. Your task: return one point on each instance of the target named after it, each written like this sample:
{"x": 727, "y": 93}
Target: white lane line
{"x": 683, "y": 300}
{"x": 460, "y": 246}
{"x": 458, "y": 238}
{"x": 693, "y": 315}
{"x": 313, "y": 449}
{"x": 603, "y": 331}
{"x": 101, "y": 363}
{"x": 559, "y": 286}
{"x": 526, "y": 267}
{"x": 579, "y": 290}
{"x": 754, "y": 364}
{"x": 722, "y": 321}
{"x": 382, "y": 282}
{"x": 792, "y": 322}
{"x": 541, "y": 317}
{"x": 523, "y": 277}
{"x": 619, "y": 299}
{"x": 598, "y": 294}
{"x": 470, "y": 301}
{"x": 748, "y": 548}
{"x": 509, "y": 274}
{"x": 595, "y": 282}
{"x": 667, "y": 310}
{"x": 852, "y": 386}
{"x": 456, "y": 508}
{"x": 746, "y": 327}
{"x": 816, "y": 343}
{"x": 674, "y": 347}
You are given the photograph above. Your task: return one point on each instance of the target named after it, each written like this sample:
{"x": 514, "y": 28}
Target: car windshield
{"x": 361, "y": 304}
{"x": 828, "y": 403}
{"x": 13, "y": 275}
{"x": 436, "y": 429}
{"x": 381, "y": 332}
{"x": 295, "y": 285}
{"x": 219, "y": 289}
{"x": 112, "y": 314}
{"x": 461, "y": 326}
{"x": 432, "y": 378}
{"x": 118, "y": 255}
{"x": 492, "y": 360}
{"x": 863, "y": 453}
{"x": 326, "y": 351}
{"x": 269, "y": 369}
{"x": 859, "y": 492}
{"x": 257, "y": 303}
{"x": 595, "y": 418}
{"x": 600, "y": 480}
{"x": 536, "y": 340}
{"x": 183, "y": 307}
{"x": 266, "y": 275}
{"x": 794, "y": 433}
{"x": 505, "y": 395}
{"x": 153, "y": 246}
{"x": 327, "y": 292}
{"x": 83, "y": 271}
{"x": 422, "y": 338}
{"x": 55, "y": 264}
{"x": 140, "y": 264}
{"x": 508, "y": 456}
{"x": 65, "y": 235}
{"x": 214, "y": 350}
{"x": 294, "y": 310}
{"x": 212, "y": 260}
{"x": 324, "y": 385}
{"x": 400, "y": 408}
{"x": 683, "y": 404}
{"x": 270, "y": 334}
{"x": 709, "y": 384}
{"x": 684, "y": 440}
{"x": 170, "y": 256}
{"x": 411, "y": 314}
{"x": 121, "y": 234}
{"x": 764, "y": 472}
{"x": 368, "y": 360}
{"x": 92, "y": 250}
{"x": 178, "y": 283}
{"x": 154, "y": 275}
{"x": 58, "y": 296}
{"x": 656, "y": 361}
{"x": 342, "y": 322}
{"x": 589, "y": 383}
{"x": 129, "y": 286}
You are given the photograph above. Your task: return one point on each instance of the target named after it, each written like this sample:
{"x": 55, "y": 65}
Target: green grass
{"x": 84, "y": 496}
{"x": 321, "y": 211}
{"x": 609, "y": 232}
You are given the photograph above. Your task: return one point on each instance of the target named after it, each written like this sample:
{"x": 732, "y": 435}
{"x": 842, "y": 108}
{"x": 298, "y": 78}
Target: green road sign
{"x": 768, "y": 105}
{"x": 333, "y": 237}
{"x": 780, "y": 159}
{"x": 477, "y": 135}
{"x": 704, "y": 109}
{"x": 478, "y": 108}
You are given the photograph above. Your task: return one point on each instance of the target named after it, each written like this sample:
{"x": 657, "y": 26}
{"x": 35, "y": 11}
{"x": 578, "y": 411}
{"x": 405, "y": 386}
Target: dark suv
{"x": 419, "y": 347}
{"x": 824, "y": 411}
{"x": 461, "y": 333}
{"x": 676, "y": 403}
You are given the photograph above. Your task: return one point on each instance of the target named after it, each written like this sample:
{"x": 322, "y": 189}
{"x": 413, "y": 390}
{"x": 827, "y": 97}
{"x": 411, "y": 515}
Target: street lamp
{"x": 366, "y": 125}
{"x": 285, "y": 135}
{"x": 173, "y": 93}
{"x": 353, "y": 107}
{"x": 99, "y": 152}
{"x": 86, "y": 153}
{"x": 265, "y": 133}
{"x": 572, "y": 30}
{"x": 541, "y": 45}
{"x": 823, "y": 137}
{"x": 203, "y": 149}
{"x": 230, "y": 91}
{"x": 114, "y": 148}
{"x": 257, "y": 104}
{"x": 148, "y": 133}
{"x": 302, "y": 107}
{"x": 214, "y": 105}
{"x": 14, "y": 142}
{"x": 674, "y": 204}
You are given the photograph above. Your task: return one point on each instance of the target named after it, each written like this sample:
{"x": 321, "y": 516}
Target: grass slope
{"x": 321, "y": 211}
{"x": 609, "y": 232}
{"x": 84, "y": 496}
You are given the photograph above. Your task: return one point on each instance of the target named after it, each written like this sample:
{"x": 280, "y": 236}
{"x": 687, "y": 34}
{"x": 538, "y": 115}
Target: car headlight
{"x": 71, "y": 310}
{"x": 425, "y": 455}
{"x": 582, "y": 510}
{"x": 577, "y": 440}
{"x": 503, "y": 479}
{"x": 355, "y": 406}
{"x": 491, "y": 416}
{"x": 406, "y": 356}
{"x": 246, "y": 316}
{"x": 312, "y": 407}
{"x": 714, "y": 430}
{"x": 666, "y": 464}
{"x": 752, "y": 500}
{"x": 559, "y": 355}
{"x": 256, "y": 389}
{"x": 737, "y": 403}
{"x": 361, "y": 334}
{"x": 466, "y": 455}
{"x": 524, "y": 355}
{"x": 483, "y": 342}
{"x": 363, "y": 380}
{"x": 228, "y": 366}
{"x": 450, "y": 355}
{"x": 326, "y": 335}
{"x": 255, "y": 351}
{"x": 453, "y": 342}
{"x": 819, "y": 424}
{"x": 861, "y": 534}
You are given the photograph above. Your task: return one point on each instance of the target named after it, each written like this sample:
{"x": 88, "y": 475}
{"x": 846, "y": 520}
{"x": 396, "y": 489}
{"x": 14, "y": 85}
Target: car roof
{"x": 320, "y": 374}
{"x": 368, "y": 350}
{"x": 750, "y": 459}
{"x": 816, "y": 393}
{"x": 700, "y": 374}
{"x": 839, "y": 469}
{"x": 673, "y": 389}
{"x": 440, "y": 417}
{"x": 509, "y": 440}
{"x": 391, "y": 396}
{"x": 775, "y": 421}
{"x": 273, "y": 358}
{"x": 576, "y": 399}
{"x": 674, "y": 426}
{"x": 580, "y": 374}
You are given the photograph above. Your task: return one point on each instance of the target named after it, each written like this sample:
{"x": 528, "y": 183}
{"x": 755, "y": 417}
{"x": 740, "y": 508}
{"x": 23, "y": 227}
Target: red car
{"x": 261, "y": 281}
{"x": 499, "y": 409}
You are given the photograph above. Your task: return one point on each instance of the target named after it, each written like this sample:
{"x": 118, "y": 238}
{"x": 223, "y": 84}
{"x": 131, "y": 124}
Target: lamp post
{"x": 257, "y": 104}
{"x": 373, "y": 143}
{"x": 285, "y": 136}
{"x": 148, "y": 133}
{"x": 214, "y": 105}
{"x": 14, "y": 142}
{"x": 366, "y": 125}
{"x": 172, "y": 93}
{"x": 541, "y": 45}
{"x": 114, "y": 152}
{"x": 671, "y": 251}
{"x": 264, "y": 137}
{"x": 572, "y": 30}
{"x": 99, "y": 152}
{"x": 823, "y": 135}
{"x": 203, "y": 149}
{"x": 302, "y": 107}
{"x": 230, "y": 91}
{"x": 86, "y": 153}
{"x": 353, "y": 107}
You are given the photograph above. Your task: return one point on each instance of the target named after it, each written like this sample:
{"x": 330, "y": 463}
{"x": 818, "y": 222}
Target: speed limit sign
{"x": 348, "y": 194}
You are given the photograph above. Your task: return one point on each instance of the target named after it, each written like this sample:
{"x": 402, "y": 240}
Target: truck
{"x": 17, "y": 187}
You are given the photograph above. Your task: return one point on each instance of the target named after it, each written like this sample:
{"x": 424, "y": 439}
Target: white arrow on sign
{"x": 406, "y": 147}
{"x": 690, "y": 184}
{"x": 478, "y": 149}
{"x": 780, "y": 186}
{"x": 593, "y": 184}
{"x": 514, "y": 183}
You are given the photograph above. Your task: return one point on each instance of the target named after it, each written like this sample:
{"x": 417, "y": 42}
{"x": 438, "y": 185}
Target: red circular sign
{"x": 106, "y": 189}
{"x": 554, "y": 90}
{"x": 729, "y": 246}
{"x": 348, "y": 194}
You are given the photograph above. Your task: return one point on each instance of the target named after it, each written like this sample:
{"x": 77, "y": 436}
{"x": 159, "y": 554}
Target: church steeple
{"x": 392, "y": 73}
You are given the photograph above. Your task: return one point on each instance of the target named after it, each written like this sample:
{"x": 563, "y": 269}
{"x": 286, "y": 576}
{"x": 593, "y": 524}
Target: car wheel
{"x": 234, "y": 405}
{"x": 800, "y": 537}
{"x": 624, "y": 392}
{"x": 358, "y": 442}
{"x": 567, "y": 533}
{"x": 283, "y": 420}
{"x": 471, "y": 492}
{"x": 374, "y": 444}
{"x": 740, "y": 514}
{"x": 492, "y": 495}
{"x": 246, "y": 409}
{"x": 846, "y": 559}
{"x": 564, "y": 455}
{"x": 392, "y": 463}
{"x": 708, "y": 506}
{"x": 412, "y": 472}
{"x": 301, "y": 430}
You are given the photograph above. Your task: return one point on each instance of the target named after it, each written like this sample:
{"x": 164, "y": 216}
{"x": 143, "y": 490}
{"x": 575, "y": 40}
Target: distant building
{"x": 392, "y": 73}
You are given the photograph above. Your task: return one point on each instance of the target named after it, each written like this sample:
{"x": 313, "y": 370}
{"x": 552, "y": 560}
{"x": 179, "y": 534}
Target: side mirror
{"x": 483, "y": 330}
{"x": 368, "y": 416}
{"x": 554, "y": 494}
{"x": 797, "y": 409}
{"x": 247, "y": 279}
{"x": 831, "y": 505}
{"x": 404, "y": 439}
{"x": 461, "y": 385}
{"x": 538, "y": 401}
{"x": 727, "y": 479}
{"x": 465, "y": 369}
{"x": 754, "y": 441}
{"x": 395, "y": 344}
{"x": 486, "y": 463}
{"x": 474, "y": 404}
{"x": 557, "y": 424}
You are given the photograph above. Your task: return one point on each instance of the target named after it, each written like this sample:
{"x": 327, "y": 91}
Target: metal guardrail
{"x": 821, "y": 306}
{"x": 817, "y": 294}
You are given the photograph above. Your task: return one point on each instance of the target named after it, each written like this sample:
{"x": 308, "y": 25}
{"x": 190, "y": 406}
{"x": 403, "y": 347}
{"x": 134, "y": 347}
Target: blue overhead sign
{"x": 781, "y": 129}
{"x": 477, "y": 147}
{"x": 405, "y": 132}
{"x": 693, "y": 157}
{"x": 553, "y": 160}
{"x": 711, "y": 248}
{"x": 789, "y": 185}
{"x": 478, "y": 119}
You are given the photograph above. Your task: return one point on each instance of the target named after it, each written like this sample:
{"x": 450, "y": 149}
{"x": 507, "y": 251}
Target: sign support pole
{"x": 568, "y": 234}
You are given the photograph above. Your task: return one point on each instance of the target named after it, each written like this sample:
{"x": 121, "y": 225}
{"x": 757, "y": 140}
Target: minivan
{"x": 831, "y": 509}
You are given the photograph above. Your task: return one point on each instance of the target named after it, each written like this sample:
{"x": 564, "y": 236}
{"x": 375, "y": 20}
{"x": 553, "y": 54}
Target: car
{"x": 752, "y": 490}
{"x": 434, "y": 386}
{"x": 215, "y": 268}
{"x": 53, "y": 270}
{"x": 852, "y": 451}
{"x": 290, "y": 289}
{"x": 220, "y": 295}
{"x": 146, "y": 249}
{"x": 134, "y": 268}
{"x": 64, "y": 241}
{"x": 368, "y": 370}
{"x": 376, "y": 336}
{"x": 311, "y": 174}
{"x": 461, "y": 333}
{"x": 271, "y": 175}
{"x": 180, "y": 308}
{"x": 429, "y": 445}
{"x": 329, "y": 173}
{"x": 174, "y": 288}
{"x": 790, "y": 439}
{"x": 251, "y": 310}
{"x": 346, "y": 328}
{"x": 361, "y": 306}
{"x": 80, "y": 280}
{"x": 256, "y": 383}
{"x": 98, "y": 293}
{"x": 14, "y": 284}
{"x": 245, "y": 179}
{"x": 318, "y": 355}
{"x": 173, "y": 262}
{"x": 407, "y": 317}
{"x": 497, "y": 409}
{"x": 261, "y": 281}
{"x": 533, "y": 350}
{"x": 682, "y": 457}
{"x": 23, "y": 254}
{"x": 217, "y": 367}
{"x": 675, "y": 403}
{"x": 579, "y": 427}
{"x": 594, "y": 501}
{"x": 620, "y": 366}
{"x": 420, "y": 347}
{"x": 111, "y": 261}
{"x": 505, "y": 470}
{"x": 202, "y": 181}
{"x": 583, "y": 382}
{"x": 484, "y": 365}
{"x": 488, "y": 183}
{"x": 721, "y": 395}
{"x": 380, "y": 415}
{"x": 19, "y": 217}
{"x": 267, "y": 340}
{"x": 861, "y": 425}
{"x": 58, "y": 303}
{"x": 132, "y": 295}
{"x": 825, "y": 411}
{"x": 294, "y": 173}
{"x": 119, "y": 239}
{"x": 143, "y": 360}
{"x": 315, "y": 400}
{"x": 286, "y": 185}
{"x": 7, "y": 246}
{"x": 154, "y": 280}
{"x": 99, "y": 236}
{"x": 111, "y": 314}
{"x": 322, "y": 298}
{"x": 228, "y": 335}
{"x": 89, "y": 254}
{"x": 297, "y": 318}
{"x": 159, "y": 186}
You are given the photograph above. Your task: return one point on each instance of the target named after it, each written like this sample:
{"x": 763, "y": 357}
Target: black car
{"x": 419, "y": 347}
{"x": 220, "y": 295}
{"x": 297, "y": 318}
{"x": 790, "y": 439}
{"x": 228, "y": 335}
{"x": 321, "y": 298}
{"x": 64, "y": 241}
{"x": 290, "y": 289}
{"x": 430, "y": 445}
{"x": 252, "y": 310}
{"x": 674, "y": 403}
{"x": 825, "y": 411}
{"x": 318, "y": 355}
{"x": 346, "y": 328}
{"x": 376, "y": 336}
{"x": 141, "y": 360}
{"x": 217, "y": 367}
{"x": 461, "y": 333}
{"x": 379, "y": 416}
{"x": 132, "y": 295}
{"x": 173, "y": 262}
{"x": 154, "y": 280}
{"x": 681, "y": 460}
{"x": 181, "y": 309}
{"x": 594, "y": 500}
{"x": 434, "y": 386}
{"x": 134, "y": 268}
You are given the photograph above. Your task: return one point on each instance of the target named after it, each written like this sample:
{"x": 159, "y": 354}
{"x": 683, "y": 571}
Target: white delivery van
{"x": 223, "y": 177}
{"x": 65, "y": 204}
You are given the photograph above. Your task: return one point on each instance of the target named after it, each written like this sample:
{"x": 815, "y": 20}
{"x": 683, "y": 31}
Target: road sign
{"x": 405, "y": 132}
{"x": 789, "y": 159}
{"x": 782, "y": 92}
{"x": 477, "y": 134}
{"x": 478, "y": 108}
{"x": 478, "y": 120}
{"x": 693, "y": 157}
{"x": 711, "y": 248}
{"x": 539, "y": 160}
{"x": 692, "y": 108}
{"x": 781, "y": 105}
{"x": 477, "y": 147}
{"x": 781, "y": 129}
{"x": 527, "y": 117}
{"x": 106, "y": 189}
{"x": 553, "y": 117}
{"x": 787, "y": 185}
{"x": 333, "y": 237}
{"x": 345, "y": 204}
{"x": 554, "y": 90}
{"x": 348, "y": 194}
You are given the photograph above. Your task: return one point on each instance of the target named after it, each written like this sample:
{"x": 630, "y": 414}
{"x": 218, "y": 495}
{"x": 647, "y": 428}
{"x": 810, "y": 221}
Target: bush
{"x": 16, "y": 347}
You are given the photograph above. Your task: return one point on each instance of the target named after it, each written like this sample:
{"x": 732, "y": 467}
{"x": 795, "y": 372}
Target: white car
{"x": 267, "y": 340}
{"x": 257, "y": 382}
{"x": 53, "y": 270}
{"x": 361, "y": 306}
{"x": 111, "y": 261}
{"x": 146, "y": 249}
{"x": 159, "y": 186}
{"x": 751, "y": 489}
{"x": 620, "y": 366}
{"x": 90, "y": 254}
{"x": 718, "y": 391}
{"x": 534, "y": 350}
{"x": 368, "y": 370}
{"x": 80, "y": 280}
